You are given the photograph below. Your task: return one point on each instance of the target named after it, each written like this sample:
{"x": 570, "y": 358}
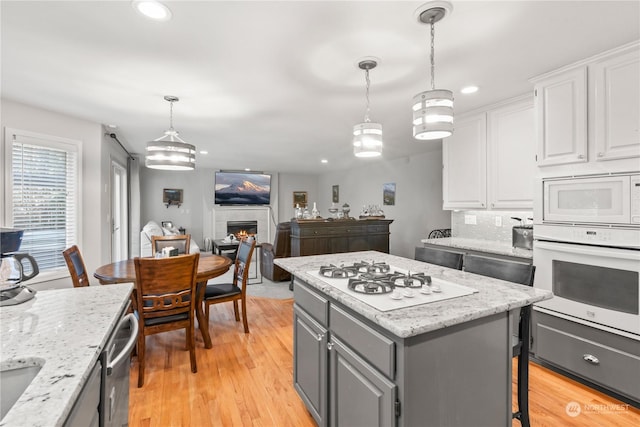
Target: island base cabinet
{"x": 459, "y": 375}
{"x": 360, "y": 395}
{"x": 310, "y": 364}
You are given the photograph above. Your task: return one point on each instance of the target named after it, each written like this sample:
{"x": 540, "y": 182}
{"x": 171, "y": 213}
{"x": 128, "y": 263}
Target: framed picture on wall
{"x": 389, "y": 193}
{"x": 335, "y": 194}
{"x": 172, "y": 196}
{"x": 300, "y": 199}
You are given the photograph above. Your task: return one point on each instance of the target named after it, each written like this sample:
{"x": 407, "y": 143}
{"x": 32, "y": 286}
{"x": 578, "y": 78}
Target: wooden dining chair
{"x": 522, "y": 273}
{"x": 76, "y": 267}
{"x": 237, "y": 290}
{"x": 181, "y": 242}
{"x": 441, "y": 257}
{"x": 165, "y": 300}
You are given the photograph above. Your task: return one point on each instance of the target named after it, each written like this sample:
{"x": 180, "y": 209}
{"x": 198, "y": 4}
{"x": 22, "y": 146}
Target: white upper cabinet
{"x": 464, "y": 170}
{"x": 617, "y": 106}
{"x": 561, "y": 113}
{"x": 511, "y": 164}
{"x": 589, "y": 112}
{"x": 489, "y": 161}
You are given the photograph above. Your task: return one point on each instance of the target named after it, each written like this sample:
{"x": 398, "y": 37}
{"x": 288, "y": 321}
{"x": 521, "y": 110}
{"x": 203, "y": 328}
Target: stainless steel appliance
{"x": 15, "y": 268}
{"x": 114, "y": 401}
{"x": 587, "y": 250}
{"x": 385, "y": 287}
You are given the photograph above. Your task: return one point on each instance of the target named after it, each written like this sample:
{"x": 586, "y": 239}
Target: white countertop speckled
{"x": 64, "y": 330}
{"x": 493, "y": 296}
{"x": 490, "y": 246}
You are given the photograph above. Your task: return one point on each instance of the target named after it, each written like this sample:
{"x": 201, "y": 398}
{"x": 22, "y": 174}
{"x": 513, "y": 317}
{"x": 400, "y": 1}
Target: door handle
{"x": 133, "y": 322}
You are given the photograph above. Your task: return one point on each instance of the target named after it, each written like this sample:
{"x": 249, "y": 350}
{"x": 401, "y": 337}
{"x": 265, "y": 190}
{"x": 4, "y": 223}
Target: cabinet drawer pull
{"x": 581, "y": 156}
{"x": 319, "y": 337}
{"x": 590, "y": 358}
{"x": 329, "y": 345}
{"x": 600, "y": 154}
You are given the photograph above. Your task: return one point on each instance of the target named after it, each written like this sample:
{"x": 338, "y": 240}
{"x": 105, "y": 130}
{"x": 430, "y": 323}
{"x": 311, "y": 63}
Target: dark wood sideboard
{"x": 330, "y": 237}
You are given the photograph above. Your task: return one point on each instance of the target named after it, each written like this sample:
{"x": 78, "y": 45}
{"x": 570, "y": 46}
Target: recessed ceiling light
{"x": 247, "y": 169}
{"x": 204, "y": 152}
{"x": 469, "y": 89}
{"x": 324, "y": 161}
{"x": 152, "y": 9}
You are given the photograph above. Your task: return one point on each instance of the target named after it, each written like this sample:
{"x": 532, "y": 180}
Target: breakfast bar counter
{"x": 420, "y": 358}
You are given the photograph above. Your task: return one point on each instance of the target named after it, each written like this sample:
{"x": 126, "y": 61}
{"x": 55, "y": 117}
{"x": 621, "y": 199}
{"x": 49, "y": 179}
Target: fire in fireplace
{"x": 242, "y": 229}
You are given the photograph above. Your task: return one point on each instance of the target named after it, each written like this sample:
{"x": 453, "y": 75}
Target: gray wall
{"x": 417, "y": 211}
{"x": 418, "y": 204}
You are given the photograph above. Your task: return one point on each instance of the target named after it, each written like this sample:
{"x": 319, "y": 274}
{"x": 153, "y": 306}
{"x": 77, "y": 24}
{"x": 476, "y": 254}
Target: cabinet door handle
{"x": 329, "y": 345}
{"x": 600, "y": 154}
{"x": 581, "y": 156}
{"x": 319, "y": 337}
{"x": 590, "y": 358}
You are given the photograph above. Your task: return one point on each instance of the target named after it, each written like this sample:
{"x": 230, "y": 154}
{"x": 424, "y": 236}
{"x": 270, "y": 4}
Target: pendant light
{"x": 170, "y": 152}
{"x": 367, "y": 136}
{"x": 433, "y": 109}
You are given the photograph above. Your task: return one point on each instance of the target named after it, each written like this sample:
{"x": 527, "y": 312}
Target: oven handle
{"x": 597, "y": 251}
{"x": 126, "y": 351}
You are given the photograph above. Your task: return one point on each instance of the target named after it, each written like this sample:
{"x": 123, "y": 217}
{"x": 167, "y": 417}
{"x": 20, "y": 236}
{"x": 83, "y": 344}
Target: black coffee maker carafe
{"x": 15, "y": 268}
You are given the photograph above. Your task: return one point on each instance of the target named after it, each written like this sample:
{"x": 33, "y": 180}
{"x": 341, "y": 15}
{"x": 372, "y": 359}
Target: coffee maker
{"x": 15, "y": 268}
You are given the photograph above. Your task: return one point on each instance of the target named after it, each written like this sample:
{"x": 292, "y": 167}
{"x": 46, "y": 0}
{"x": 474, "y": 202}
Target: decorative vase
{"x": 315, "y": 213}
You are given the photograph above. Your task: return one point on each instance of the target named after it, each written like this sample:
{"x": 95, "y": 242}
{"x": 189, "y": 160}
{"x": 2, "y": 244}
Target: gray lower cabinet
{"x": 360, "y": 395}
{"x": 350, "y": 372}
{"x": 608, "y": 360}
{"x": 310, "y": 363}
{"x": 85, "y": 412}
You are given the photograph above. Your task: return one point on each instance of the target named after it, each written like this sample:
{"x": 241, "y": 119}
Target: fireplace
{"x": 242, "y": 228}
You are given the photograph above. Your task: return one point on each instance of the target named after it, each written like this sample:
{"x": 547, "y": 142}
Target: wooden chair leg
{"x": 141, "y": 349}
{"x": 244, "y": 315}
{"x": 191, "y": 343}
{"x": 206, "y": 312}
{"x": 235, "y": 310}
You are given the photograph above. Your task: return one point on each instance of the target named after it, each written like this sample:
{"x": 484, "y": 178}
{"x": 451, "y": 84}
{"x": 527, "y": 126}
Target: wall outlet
{"x": 470, "y": 219}
{"x": 498, "y": 221}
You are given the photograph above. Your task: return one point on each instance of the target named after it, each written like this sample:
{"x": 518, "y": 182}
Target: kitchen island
{"x": 63, "y": 331}
{"x": 441, "y": 363}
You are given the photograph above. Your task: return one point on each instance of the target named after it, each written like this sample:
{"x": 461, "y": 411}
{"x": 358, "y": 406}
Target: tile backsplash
{"x": 485, "y": 224}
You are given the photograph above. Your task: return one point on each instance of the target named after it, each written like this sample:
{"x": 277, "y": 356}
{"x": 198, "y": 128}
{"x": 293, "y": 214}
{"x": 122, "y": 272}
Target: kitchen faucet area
{"x": 417, "y": 213}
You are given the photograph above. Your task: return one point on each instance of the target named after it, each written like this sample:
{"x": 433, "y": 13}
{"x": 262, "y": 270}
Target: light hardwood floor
{"x": 246, "y": 380}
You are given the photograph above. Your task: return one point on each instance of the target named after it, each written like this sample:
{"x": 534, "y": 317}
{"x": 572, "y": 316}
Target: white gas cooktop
{"x": 439, "y": 290}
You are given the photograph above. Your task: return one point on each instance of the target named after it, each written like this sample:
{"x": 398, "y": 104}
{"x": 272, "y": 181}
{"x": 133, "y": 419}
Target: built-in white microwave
{"x": 612, "y": 199}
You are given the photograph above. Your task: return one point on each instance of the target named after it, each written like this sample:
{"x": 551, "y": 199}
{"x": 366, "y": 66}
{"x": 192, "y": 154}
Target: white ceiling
{"x": 274, "y": 85}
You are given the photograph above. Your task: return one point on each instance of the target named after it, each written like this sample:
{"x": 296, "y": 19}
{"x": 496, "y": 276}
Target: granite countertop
{"x": 64, "y": 330}
{"x": 493, "y": 296}
{"x": 490, "y": 246}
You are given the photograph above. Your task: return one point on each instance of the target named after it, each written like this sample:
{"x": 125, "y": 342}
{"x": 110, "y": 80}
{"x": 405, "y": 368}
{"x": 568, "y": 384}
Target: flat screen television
{"x": 242, "y": 188}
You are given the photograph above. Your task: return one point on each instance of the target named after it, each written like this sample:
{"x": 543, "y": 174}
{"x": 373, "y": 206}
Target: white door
{"x": 511, "y": 163}
{"x": 617, "y": 106}
{"x": 119, "y": 210}
{"x": 464, "y": 157}
{"x": 561, "y": 110}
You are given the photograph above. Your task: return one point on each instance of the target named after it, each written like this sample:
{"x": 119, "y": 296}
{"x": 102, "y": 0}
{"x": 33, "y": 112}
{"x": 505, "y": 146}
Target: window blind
{"x": 45, "y": 197}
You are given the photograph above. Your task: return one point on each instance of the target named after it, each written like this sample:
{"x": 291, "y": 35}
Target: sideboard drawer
{"x": 378, "y": 228}
{"x": 311, "y": 302}
{"x": 599, "y": 363}
{"x": 370, "y": 344}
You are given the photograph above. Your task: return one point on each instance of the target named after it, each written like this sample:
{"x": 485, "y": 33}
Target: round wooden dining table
{"x": 209, "y": 266}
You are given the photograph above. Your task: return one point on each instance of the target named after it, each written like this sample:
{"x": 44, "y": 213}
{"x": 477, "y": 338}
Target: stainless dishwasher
{"x": 104, "y": 399}
{"x": 114, "y": 395}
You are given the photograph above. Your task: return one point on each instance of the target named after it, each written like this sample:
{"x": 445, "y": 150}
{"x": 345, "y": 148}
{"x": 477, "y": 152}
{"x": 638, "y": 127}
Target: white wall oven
{"x": 587, "y": 250}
